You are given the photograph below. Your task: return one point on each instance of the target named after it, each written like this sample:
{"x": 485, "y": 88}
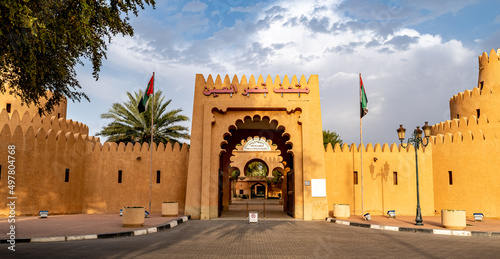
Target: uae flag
{"x": 143, "y": 103}
{"x": 363, "y": 100}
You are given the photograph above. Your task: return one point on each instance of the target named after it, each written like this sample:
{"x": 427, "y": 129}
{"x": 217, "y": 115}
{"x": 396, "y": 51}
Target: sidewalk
{"x": 432, "y": 224}
{"x": 81, "y": 226}
{"x": 96, "y": 226}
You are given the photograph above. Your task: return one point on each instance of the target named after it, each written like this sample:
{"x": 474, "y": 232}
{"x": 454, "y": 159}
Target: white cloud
{"x": 402, "y": 68}
{"x": 194, "y": 6}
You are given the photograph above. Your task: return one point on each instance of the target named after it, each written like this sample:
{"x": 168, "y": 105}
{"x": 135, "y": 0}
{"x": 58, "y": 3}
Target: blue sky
{"x": 413, "y": 56}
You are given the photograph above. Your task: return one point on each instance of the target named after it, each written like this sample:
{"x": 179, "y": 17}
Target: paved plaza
{"x": 231, "y": 236}
{"x": 268, "y": 239}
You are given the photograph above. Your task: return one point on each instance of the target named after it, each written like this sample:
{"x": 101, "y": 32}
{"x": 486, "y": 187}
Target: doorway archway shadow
{"x": 238, "y": 210}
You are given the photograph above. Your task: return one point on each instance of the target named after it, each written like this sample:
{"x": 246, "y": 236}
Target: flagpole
{"x": 361, "y": 147}
{"x": 151, "y": 146}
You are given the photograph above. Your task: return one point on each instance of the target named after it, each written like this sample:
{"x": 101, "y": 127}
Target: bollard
{"x": 264, "y": 209}
{"x": 247, "y": 208}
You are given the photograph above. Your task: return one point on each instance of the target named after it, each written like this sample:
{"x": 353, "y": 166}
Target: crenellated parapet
{"x": 18, "y": 134}
{"x": 489, "y": 68}
{"x": 36, "y": 121}
{"x": 260, "y": 82}
{"x": 370, "y": 149}
{"x": 485, "y": 124}
{"x": 139, "y": 148}
{"x": 483, "y": 99}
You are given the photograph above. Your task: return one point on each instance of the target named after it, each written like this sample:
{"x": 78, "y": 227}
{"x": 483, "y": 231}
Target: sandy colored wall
{"x": 28, "y": 119}
{"x": 485, "y": 96}
{"x": 379, "y": 194}
{"x": 42, "y": 157}
{"x": 103, "y": 193}
{"x": 16, "y": 105}
{"x": 41, "y": 160}
{"x": 472, "y": 157}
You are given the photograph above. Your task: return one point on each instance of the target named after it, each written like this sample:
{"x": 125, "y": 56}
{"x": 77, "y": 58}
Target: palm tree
{"x": 129, "y": 125}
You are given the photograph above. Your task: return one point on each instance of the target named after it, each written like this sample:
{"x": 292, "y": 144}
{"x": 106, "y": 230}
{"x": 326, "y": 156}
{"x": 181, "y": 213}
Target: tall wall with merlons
{"x": 468, "y": 148}
{"x": 381, "y": 165}
{"x": 103, "y": 193}
{"x": 43, "y": 156}
{"x": 484, "y": 98}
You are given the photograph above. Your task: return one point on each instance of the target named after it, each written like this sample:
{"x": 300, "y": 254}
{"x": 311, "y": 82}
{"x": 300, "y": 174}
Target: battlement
{"x": 484, "y": 123}
{"x": 489, "y": 68}
{"x": 18, "y": 135}
{"x": 469, "y": 95}
{"x": 465, "y": 129}
{"x": 463, "y": 137}
{"x": 61, "y": 137}
{"x": 385, "y": 148}
{"x": 485, "y": 98}
{"x": 260, "y": 80}
{"x": 138, "y": 148}
{"x": 37, "y": 122}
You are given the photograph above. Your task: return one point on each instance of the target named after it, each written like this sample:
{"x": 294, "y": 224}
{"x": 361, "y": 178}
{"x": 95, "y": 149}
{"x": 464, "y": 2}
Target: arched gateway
{"x": 227, "y": 114}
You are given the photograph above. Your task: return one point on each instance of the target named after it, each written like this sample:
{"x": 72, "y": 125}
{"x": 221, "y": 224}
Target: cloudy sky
{"x": 413, "y": 56}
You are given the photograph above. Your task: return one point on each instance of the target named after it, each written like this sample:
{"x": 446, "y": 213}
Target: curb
{"x": 462, "y": 233}
{"x": 138, "y": 232}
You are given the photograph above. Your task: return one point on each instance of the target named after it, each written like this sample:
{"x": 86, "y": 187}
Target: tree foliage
{"x": 256, "y": 169}
{"x": 129, "y": 125}
{"x": 42, "y": 41}
{"x": 331, "y": 137}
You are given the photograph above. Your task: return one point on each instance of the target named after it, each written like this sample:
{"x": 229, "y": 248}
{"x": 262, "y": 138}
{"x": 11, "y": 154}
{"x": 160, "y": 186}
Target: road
{"x": 267, "y": 239}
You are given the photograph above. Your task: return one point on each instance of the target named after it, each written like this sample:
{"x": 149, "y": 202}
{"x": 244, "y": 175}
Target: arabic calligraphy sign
{"x": 231, "y": 90}
{"x": 256, "y": 90}
{"x": 257, "y": 144}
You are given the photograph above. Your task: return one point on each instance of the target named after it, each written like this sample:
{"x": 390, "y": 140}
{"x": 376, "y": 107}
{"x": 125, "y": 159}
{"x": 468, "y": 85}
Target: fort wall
{"x": 466, "y": 174}
{"x": 13, "y": 103}
{"x": 104, "y": 194}
{"x": 34, "y": 120}
{"x": 485, "y": 98}
{"x": 381, "y": 165}
{"x": 66, "y": 172}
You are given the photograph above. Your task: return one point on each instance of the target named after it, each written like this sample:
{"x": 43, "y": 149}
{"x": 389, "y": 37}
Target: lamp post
{"x": 416, "y": 140}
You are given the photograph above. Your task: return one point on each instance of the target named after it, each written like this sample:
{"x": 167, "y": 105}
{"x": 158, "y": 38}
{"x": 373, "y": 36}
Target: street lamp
{"x": 416, "y": 140}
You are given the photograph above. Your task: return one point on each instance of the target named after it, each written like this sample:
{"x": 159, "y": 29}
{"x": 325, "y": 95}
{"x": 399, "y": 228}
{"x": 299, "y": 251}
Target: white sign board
{"x": 257, "y": 144}
{"x": 253, "y": 217}
{"x": 318, "y": 187}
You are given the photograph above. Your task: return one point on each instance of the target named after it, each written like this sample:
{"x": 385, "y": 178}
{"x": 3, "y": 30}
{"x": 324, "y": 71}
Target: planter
{"x": 453, "y": 219}
{"x": 133, "y": 217}
{"x": 341, "y": 211}
{"x": 170, "y": 209}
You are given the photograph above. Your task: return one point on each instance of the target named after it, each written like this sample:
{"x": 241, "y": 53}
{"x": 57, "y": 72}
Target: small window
{"x": 1, "y": 172}
{"x": 119, "y": 176}
{"x": 458, "y": 116}
{"x": 395, "y": 178}
{"x": 66, "y": 175}
{"x": 478, "y": 111}
{"x": 58, "y": 115}
{"x": 8, "y": 107}
{"x": 450, "y": 177}
{"x": 158, "y": 176}
{"x": 40, "y": 112}
{"x": 481, "y": 84}
{"x": 241, "y": 191}
{"x": 355, "y": 177}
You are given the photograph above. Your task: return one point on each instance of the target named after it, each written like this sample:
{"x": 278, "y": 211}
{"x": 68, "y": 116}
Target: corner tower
{"x": 484, "y": 98}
